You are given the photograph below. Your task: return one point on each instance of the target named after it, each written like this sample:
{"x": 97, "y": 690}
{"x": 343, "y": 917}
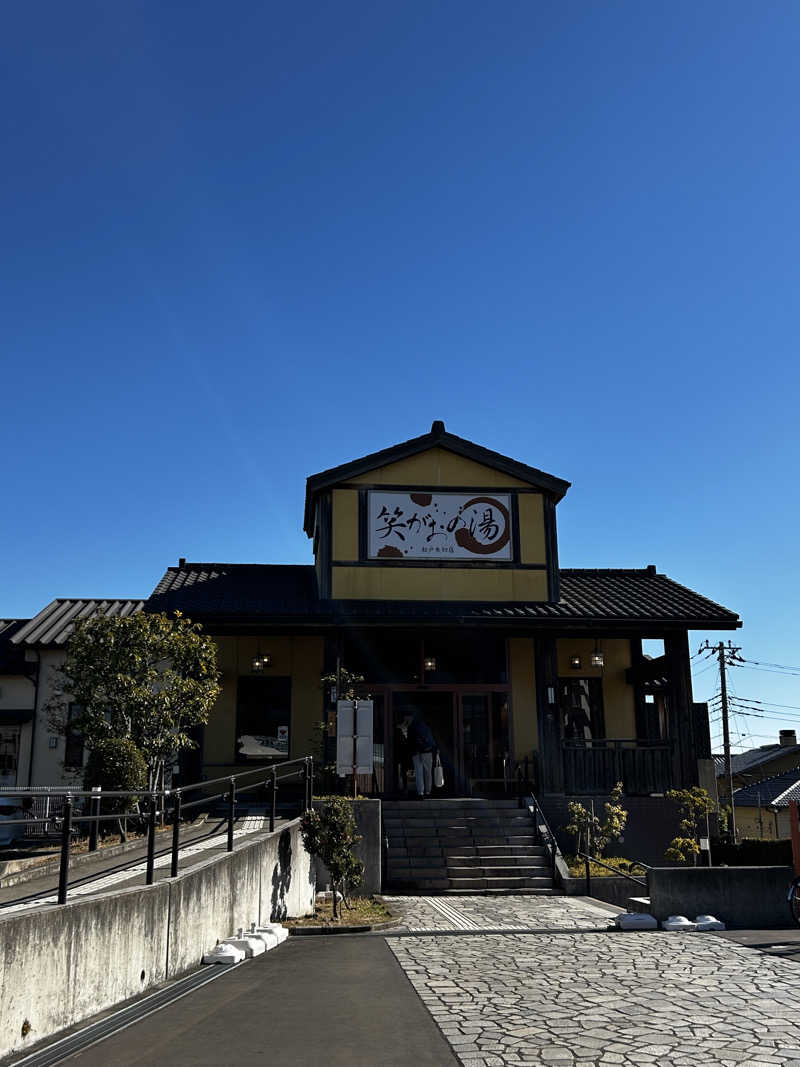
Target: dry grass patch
{"x": 363, "y": 911}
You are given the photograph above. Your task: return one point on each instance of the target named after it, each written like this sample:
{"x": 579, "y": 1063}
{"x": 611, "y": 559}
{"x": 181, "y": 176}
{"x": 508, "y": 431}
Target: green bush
{"x": 330, "y": 833}
{"x": 116, "y": 764}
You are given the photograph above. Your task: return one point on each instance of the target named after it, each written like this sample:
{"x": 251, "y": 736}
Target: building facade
{"x": 436, "y": 578}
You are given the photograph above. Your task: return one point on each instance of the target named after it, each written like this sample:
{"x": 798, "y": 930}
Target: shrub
{"x": 116, "y": 764}
{"x": 330, "y": 833}
{"x": 586, "y": 827}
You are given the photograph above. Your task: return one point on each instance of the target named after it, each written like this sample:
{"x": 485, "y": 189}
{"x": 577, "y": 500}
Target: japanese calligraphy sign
{"x": 409, "y": 525}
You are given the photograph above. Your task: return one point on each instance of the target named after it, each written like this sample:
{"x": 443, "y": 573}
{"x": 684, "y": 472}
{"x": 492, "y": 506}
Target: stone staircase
{"x": 463, "y": 846}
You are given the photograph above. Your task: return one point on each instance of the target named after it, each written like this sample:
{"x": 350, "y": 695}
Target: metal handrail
{"x": 269, "y": 778}
{"x": 622, "y": 874}
{"x": 549, "y": 838}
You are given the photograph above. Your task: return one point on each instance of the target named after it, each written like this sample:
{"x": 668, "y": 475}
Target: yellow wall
{"x": 618, "y": 696}
{"x": 345, "y": 524}
{"x": 523, "y": 695}
{"x": 298, "y": 657}
{"x": 747, "y": 824}
{"x": 437, "y": 583}
{"x": 437, "y": 467}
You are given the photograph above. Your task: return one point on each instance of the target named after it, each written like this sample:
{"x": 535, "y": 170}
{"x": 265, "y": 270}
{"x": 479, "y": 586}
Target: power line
{"x": 768, "y": 703}
{"x": 759, "y": 663}
{"x": 767, "y": 670}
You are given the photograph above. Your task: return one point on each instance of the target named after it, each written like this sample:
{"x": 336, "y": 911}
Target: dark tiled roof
{"x": 777, "y": 790}
{"x": 11, "y": 661}
{"x": 437, "y": 437}
{"x": 246, "y": 589}
{"x": 611, "y": 596}
{"x": 754, "y": 757}
{"x": 54, "y": 624}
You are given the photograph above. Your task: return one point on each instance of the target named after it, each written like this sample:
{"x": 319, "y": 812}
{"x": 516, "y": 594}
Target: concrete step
{"x": 414, "y": 874}
{"x": 517, "y": 892}
{"x": 425, "y": 815}
{"x": 454, "y": 870}
{"x": 457, "y": 803}
{"x": 641, "y": 904}
{"x": 501, "y": 883}
{"x": 421, "y": 838}
{"x": 510, "y": 862}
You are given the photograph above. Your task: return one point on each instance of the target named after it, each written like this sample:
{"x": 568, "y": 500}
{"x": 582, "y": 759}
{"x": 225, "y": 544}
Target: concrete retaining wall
{"x": 367, "y": 813}
{"x": 612, "y": 890}
{"x": 741, "y": 896}
{"x": 63, "y": 964}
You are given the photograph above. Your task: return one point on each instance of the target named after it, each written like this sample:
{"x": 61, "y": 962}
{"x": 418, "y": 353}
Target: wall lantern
{"x": 597, "y": 659}
{"x": 260, "y": 662}
{"x": 575, "y": 662}
{"x": 429, "y": 663}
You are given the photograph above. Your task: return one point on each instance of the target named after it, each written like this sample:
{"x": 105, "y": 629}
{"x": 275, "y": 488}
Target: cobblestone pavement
{"x": 499, "y": 913}
{"x": 588, "y": 998}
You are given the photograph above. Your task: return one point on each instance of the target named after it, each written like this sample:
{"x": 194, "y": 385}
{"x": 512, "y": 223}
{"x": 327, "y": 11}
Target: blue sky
{"x": 244, "y": 243}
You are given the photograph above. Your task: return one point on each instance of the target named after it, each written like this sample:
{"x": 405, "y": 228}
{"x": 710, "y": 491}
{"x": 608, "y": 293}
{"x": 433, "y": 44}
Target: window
{"x": 73, "y": 749}
{"x": 651, "y": 719}
{"x": 581, "y": 701}
{"x": 263, "y": 717}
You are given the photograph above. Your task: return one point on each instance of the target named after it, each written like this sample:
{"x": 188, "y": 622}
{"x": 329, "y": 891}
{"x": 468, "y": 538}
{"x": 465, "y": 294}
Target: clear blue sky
{"x": 242, "y": 243}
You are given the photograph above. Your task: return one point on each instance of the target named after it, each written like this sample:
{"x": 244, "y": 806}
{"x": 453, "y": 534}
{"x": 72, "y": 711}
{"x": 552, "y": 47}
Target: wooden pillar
{"x": 681, "y": 720}
{"x": 550, "y": 755}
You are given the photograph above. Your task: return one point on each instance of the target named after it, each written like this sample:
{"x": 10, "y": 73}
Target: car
{"x": 10, "y": 808}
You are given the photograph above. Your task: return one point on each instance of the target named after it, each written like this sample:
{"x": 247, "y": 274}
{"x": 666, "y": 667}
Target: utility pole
{"x": 723, "y": 655}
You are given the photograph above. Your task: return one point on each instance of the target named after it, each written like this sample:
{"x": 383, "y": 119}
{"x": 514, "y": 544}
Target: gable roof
{"x": 55, "y": 623}
{"x": 438, "y": 437}
{"x": 233, "y": 592}
{"x": 777, "y": 791}
{"x": 754, "y": 757}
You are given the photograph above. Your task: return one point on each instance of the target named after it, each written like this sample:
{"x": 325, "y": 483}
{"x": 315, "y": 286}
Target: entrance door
{"x": 438, "y": 711}
{"x": 485, "y": 742}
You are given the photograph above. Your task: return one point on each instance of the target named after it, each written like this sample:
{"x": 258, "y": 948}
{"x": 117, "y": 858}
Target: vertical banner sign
{"x": 344, "y": 737}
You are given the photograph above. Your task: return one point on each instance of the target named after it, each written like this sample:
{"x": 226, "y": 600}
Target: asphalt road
{"x": 340, "y": 1001}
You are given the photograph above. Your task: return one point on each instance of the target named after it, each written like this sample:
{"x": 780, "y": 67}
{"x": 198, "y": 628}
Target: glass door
{"x": 485, "y": 742}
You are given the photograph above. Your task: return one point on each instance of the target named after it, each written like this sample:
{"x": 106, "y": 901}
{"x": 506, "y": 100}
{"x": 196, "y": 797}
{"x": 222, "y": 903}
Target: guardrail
{"x": 157, "y": 804}
{"x": 588, "y": 860}
{"x": 544, "y": 835}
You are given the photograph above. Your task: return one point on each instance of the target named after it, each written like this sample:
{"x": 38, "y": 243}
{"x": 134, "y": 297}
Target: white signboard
{"x": 410, "y": 525}
{"x": 344, "y": 737}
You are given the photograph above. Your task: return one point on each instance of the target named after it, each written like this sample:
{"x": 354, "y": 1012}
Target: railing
{"x": 544, "y": 835}
{"x": 42, "y": 805}
{"x": 596, "y": 766}
{"x": 157, "y": 803}
{"x": 588, "y": 860}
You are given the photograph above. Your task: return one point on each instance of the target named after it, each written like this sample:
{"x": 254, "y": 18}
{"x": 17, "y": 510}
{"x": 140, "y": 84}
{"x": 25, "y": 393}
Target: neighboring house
{"x": 762, "y": 808}
{"x": 759, "y": 763}
{"x": 29, "y": 650}
{"x": 17, "y": 701}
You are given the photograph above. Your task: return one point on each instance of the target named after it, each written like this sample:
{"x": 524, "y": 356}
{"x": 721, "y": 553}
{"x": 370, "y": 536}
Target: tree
{"x": 330, "y": 833}
{"x": 116, "y": 764}
{"x": 148, "y": 678}
{"x": 586, "y": 826}
{"x": 695, "y": 804}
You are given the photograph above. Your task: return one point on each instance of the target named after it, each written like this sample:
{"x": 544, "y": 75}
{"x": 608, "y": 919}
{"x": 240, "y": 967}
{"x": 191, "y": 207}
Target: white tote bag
{"x": 438, "y": 773}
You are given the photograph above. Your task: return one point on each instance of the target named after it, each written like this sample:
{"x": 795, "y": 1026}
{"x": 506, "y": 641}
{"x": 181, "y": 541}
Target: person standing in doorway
{"x": 404, "y": 752}
{"x": 423, "y": 745}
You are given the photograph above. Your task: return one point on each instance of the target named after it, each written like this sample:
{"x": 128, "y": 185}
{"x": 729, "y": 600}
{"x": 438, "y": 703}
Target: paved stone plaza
{"x": 593, "y": 998}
